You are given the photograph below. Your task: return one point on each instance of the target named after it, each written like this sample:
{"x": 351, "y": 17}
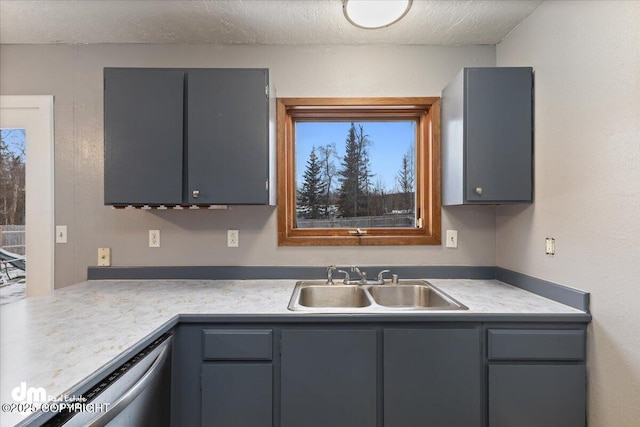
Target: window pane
{"x": 12, "y": 215}
{"x": 355, "y": 174}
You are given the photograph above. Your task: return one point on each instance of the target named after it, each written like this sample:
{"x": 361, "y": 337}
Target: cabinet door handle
{"x": 478, "y": 191}
{"x": 195, "y": 193}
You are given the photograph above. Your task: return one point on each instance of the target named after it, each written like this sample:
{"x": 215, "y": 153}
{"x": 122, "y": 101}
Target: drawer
{"x": 536, "y": 344}
{"x": 237, "y": 344}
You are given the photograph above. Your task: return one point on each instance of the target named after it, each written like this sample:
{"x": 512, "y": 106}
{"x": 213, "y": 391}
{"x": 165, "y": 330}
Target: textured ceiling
{"x": 279, "y": 22}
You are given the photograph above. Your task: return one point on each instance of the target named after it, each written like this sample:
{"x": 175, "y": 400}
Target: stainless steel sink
{"x": 412, "y": 295}
{"x": 333, "y": 296}
{"x": 419, "y": 296}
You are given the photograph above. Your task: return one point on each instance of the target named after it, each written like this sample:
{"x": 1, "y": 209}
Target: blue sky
{"x": 15, "y": 140}
{"x": 390, "y": 141}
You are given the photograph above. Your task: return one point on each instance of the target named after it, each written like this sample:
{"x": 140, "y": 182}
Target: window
{"x": 358, "y": 171}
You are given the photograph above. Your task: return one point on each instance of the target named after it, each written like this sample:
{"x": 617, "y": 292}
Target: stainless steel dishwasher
{"x": 136, "y": 394}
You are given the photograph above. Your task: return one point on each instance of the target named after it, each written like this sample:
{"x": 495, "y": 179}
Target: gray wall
{"x": 586, "y": 57}
{"x": 73, "y": 74}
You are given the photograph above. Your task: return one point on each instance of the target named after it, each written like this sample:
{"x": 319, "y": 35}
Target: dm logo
{"x": 22, "y": 393}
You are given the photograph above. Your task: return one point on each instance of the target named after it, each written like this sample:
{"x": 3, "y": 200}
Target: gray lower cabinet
{"x": 534, "y": 395}
{"x": 328, "y": 378}
{"x": 186, "y": 136}
{"x": 379, "y": 374}
{"x": 536, "y": 377}
{"x": 487, "y": 137}
{"x": 237, "y": 378}
{"x": 433, "y": 376}
{"x": 237, "y": 395}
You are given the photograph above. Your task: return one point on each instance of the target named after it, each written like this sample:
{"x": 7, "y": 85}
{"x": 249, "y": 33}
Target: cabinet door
{"x": 143, "y": 118}
{"x": 498, "y": 134}
{"x": 227, "y": 136}
{"x": 432, "y": 377}
{"x": 237, "y": 395}
{"x": 529, "y": 395}
{"x": 328, "y": 378}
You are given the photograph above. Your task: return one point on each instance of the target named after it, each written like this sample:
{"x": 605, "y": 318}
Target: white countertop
{"x": 57, "y": 340}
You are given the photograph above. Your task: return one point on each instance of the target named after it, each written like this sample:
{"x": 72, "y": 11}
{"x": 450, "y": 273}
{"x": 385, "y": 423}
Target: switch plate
{"x": 452, "y": 239}
{"x": 550, "y": 246}
{"x": 61, "y": 234}
{"x": 233, "y": 237}
{"x": 154, "y": 238}
{"x": 104, "y": 257}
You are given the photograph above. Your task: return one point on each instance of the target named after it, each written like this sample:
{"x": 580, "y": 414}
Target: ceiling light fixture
{"x": 373, "y": 14}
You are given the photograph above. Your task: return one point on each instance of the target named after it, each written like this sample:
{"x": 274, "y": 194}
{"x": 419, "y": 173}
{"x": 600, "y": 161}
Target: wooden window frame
{"x": 425, "y": 110}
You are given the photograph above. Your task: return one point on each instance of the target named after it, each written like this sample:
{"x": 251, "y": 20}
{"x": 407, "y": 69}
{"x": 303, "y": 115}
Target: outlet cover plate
{"x": 233, "y": 237}
{"x": 104, "y": 257}
{"x": 452, "y": 239}
{"x": 154, "y": 238}
{"x": 550, "y": 246}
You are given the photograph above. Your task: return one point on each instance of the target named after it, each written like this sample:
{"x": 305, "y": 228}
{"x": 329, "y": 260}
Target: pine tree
{"x": 349, "y": 177}
{"x": 311, "y": 195}
{"x": 355, "y": 176}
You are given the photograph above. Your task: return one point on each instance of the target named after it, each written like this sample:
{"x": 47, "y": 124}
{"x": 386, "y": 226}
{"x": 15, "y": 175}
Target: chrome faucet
{"x": 362, "y": 274}
{"x": 381, "y": 276}
{"x": 347, "y": 279}
{"x": 330, "y": 270}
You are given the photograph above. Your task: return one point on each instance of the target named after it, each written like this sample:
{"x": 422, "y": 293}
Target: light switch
{"x": 61, "y": 234}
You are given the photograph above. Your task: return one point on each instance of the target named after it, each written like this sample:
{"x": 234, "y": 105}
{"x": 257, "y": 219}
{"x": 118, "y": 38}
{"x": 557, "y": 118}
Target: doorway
{"x": 28, "y": 121}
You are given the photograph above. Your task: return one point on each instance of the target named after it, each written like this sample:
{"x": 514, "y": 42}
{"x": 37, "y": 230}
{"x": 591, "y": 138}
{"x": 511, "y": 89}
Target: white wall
{"x": 74, "y": 75}
{"x": 586, "y": 57}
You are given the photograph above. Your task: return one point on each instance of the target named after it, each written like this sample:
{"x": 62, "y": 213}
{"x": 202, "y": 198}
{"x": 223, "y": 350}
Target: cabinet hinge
{"x": 419, "y": 223}
{"x": 266, "y": 185}
{"x": 266, "y": 91}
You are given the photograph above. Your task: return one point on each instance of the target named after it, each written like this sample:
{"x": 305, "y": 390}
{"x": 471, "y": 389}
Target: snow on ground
{"x": 12, "y": 292}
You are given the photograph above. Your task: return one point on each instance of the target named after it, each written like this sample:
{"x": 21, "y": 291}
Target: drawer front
{"x": 237, "y": 344}
{"x": 536, "y": 344}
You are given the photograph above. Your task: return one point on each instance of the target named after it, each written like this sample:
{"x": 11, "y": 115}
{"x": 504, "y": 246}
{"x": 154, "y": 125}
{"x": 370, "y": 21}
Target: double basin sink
{"x": 415, "y": 295}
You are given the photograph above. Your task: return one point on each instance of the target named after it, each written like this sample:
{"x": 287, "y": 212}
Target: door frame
{"x": 35, "y": 114}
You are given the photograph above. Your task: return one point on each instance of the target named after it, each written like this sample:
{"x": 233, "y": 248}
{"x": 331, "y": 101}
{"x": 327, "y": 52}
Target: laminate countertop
{"x": 59, "y": 340}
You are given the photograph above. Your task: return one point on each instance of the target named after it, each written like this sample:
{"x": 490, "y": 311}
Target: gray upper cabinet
{"x": 143, "y": 131}
{"x": 186, "y": 136}
{"x": 487, "y": 137}
{"x": 228, "y": 119}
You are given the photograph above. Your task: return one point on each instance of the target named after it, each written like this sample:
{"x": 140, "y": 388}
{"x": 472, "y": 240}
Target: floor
{"x": 12, "y": 292}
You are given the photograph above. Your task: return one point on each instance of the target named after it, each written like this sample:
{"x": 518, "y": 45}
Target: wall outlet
{"x": 550, "y": 246}
{"x": 104, "y": 257}
{"x": 154, "y": 238}
{"x": 233, "y": 237}
{"x": 61, "y": 234}
{"x": 452, "y": 238}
